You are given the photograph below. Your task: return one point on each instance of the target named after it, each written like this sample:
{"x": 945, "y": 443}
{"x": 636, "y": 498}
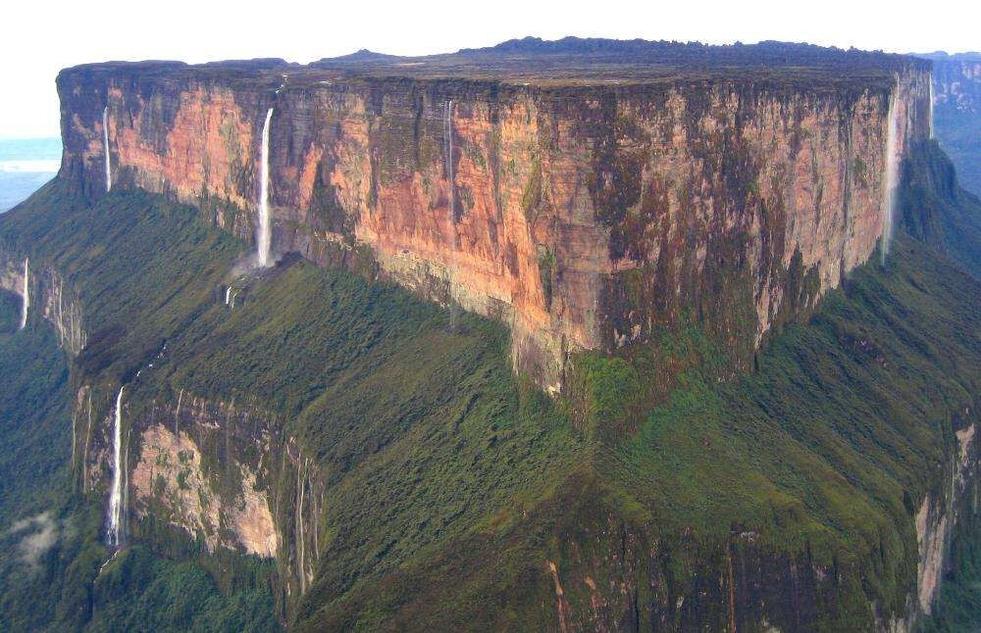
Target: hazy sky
{"x": 41, "y": 36}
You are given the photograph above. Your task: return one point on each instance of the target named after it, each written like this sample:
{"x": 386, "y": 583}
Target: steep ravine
{"x": 51, "y": 298}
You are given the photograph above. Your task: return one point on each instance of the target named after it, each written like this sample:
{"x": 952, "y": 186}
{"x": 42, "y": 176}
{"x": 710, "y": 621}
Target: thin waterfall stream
{"x": 114, "y": 534}
{"x": 264, "y": 237}
{"x": 105, "y": 141}
{"x": 26, "y": 303}
{"x": 890, "y": 178}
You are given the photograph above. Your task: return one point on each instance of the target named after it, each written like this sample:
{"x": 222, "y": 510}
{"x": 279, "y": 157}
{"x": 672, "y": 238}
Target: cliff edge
{"x": 583, "y": 192}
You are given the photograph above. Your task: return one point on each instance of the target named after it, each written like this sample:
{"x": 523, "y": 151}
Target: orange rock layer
{"x": 583, "y": 218}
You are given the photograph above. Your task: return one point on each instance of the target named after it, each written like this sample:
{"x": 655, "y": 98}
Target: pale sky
{"x": 41, "y": 36}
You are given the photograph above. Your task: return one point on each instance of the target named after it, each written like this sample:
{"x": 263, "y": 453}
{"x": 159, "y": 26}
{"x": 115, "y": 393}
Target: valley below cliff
{"x": 536, "y": 349}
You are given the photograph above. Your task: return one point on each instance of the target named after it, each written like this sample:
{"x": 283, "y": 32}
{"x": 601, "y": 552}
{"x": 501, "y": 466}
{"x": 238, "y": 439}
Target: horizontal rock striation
{"x": 584, "y": 214}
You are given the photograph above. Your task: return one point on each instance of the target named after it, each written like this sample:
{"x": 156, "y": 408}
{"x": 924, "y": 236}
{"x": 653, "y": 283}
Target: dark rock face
{"x": 936, "y": 210}
{"x": 957, "y": 113}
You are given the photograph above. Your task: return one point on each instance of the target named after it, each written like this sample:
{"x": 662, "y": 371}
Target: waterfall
{"x": 26, "y": 303}
{"x": 449, "y": 160}
{"x": 264, "y": 239}
{"x": 114, "y": 533}
{"x": 452, "y": 205}
{"x": 228, "y": 294}
{"x": 930, "y": 110}
{"x": 105, "y": 140}
{"x": 890, "y": 178}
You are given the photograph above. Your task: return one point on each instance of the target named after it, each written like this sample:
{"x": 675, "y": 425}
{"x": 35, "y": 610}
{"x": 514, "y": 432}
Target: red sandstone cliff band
{"x": 585, "y": 216}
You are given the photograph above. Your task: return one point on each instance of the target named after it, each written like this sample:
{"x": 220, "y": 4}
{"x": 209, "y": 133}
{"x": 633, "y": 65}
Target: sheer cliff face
{"x": 221, "y": 473}
{"x": 957, "y": 102}
{"x": 957, "y": 84}
{"x": 52, "y": 299}
{"x": 584, "y": 217}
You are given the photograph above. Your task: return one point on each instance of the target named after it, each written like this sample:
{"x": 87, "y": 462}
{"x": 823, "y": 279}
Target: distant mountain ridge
{"x": 957, "y": 112}
{"x": 945, "y": 56}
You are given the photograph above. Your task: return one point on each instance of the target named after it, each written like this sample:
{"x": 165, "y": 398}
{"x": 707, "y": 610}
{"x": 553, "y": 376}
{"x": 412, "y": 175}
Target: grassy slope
{"x": 424, "y": 432}
{"x": 143, "y": 269}
{"x": 936, "y": 210}
{"x": 34, "y": 414}
{"x": 421, "y": 432}
{"x": 821, "y": 445}
{"x": 824, "y": 447}
{"x": 450, "y": 483}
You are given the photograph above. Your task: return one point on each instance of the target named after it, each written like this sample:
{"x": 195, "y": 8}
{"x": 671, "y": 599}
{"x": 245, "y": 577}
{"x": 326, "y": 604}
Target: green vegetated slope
{"x": 143, "y": 268}
{"x": 823, "y": 449}
{"x": 453, "y": 488}
{"x": 34, "y": 408}
{"x": 935, "y": 208}
{"x": 419, "y": 428}
{"x": 422, "y": 429}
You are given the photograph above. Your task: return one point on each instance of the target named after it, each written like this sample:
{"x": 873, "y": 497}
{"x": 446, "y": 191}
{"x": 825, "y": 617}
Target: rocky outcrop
{"x": 611, "y": 575}
{"x": 219, "y": 473}
{"x": 938, "y": 515}
{"x": 220, "y": 498}
{"x": 957, "y": 110}
{"x": 56, "y": 301}
{"x": 584, "y": 214}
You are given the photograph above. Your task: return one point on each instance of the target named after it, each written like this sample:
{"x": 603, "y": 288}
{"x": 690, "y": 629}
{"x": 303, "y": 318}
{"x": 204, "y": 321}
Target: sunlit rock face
{"x": 585, "y": 214}
{"x": 181, "y": 479}
{"x": 220, "y": 472}
{"x": 938, "y": 516}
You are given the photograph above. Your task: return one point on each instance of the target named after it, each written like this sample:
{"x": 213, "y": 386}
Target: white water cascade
{"x": 930, "y": 111}
{"x": 105, "y": 141}
{"x": 449, "y": 160}
{"x": 114, "y": 533}
{"x": 452, "y": 202}
{"x": 26, "y": 303}
{"x": 891, "y": 176}
{"x": 264, "y": 237}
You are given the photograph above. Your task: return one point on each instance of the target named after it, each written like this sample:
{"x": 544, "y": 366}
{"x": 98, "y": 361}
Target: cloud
{"x": 41, "y": 534}
{"x": 45, "y": 166}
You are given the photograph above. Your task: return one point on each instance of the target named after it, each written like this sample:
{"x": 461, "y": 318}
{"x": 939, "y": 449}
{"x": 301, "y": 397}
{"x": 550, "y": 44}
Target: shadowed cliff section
{"x": 957, "y": 112}
{"x": 937, "y": 211}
